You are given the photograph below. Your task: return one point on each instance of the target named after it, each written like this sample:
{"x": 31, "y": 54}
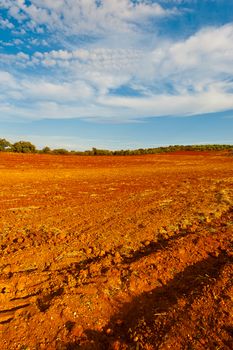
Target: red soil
{"x": 116, "y": 252}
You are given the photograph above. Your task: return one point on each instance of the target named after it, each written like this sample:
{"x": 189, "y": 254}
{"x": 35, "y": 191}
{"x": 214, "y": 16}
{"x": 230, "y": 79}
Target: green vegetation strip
{"x": 28, "y": 147}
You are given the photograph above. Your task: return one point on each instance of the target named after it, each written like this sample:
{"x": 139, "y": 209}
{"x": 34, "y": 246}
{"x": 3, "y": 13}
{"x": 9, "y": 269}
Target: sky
{"x": 116, "y": 74}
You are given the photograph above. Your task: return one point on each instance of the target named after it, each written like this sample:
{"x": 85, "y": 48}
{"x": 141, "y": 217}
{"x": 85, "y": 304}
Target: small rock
{"x": 89, "y": 251}
{"x": 119, "y": 322}
{"x": 102, "y": 253}
{"x": 72, "y": 281}
{"x": 7, "y": 269}
{"x": 77, "y": 331}
{"x": 116, "y": 345}
{"x": 63, "y": 235}
{"x": 117, "y": 257}
{"x": 109, "y": 331}
{"x": 162, "y": 231}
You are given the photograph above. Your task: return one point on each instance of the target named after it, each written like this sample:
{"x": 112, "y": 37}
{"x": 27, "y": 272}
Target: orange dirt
{"x": 116, "y": 252}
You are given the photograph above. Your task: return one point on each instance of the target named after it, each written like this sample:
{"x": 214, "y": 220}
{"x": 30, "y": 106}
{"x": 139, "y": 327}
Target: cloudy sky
{"x": 116, "y": 73}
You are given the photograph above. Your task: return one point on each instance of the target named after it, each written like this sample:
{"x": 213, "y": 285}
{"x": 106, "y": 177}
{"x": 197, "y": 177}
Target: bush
{"x": 60, "y": 151}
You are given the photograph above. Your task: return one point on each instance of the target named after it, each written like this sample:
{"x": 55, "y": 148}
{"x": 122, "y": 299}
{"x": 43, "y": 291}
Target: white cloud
{"x": 6, "y": 24}
{"x": 7, "y": 80}
{"x": 176, "y": 105}
{"x": 41, "y": 90}
{"x": 75, "y": 17}
{"x": 184, "y": 77}
{"x": 44, "y": 90}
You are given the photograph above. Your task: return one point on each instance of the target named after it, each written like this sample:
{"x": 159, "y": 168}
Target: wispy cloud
{"x": 83, "y": 57}
{"x": 88, "y": 17}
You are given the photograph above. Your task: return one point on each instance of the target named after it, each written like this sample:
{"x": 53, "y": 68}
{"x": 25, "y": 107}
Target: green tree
{"x": 4, "y": 145}
{"x": 23, "y": 147}
{"x": 46, "y": 150}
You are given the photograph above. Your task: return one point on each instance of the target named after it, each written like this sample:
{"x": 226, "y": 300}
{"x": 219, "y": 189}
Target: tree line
{"x": 28, "y": 147}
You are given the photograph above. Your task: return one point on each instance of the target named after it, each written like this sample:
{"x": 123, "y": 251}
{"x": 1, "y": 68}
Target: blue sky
{"x": 116, "y": 73}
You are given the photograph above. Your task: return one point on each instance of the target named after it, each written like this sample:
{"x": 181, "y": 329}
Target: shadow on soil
{"x": 144, "y": 308}
{"x": 132, "y": 257}
{"x": 153, "y": 247}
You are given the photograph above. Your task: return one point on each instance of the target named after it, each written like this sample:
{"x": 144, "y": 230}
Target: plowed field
{"x": 116, "y": 252}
